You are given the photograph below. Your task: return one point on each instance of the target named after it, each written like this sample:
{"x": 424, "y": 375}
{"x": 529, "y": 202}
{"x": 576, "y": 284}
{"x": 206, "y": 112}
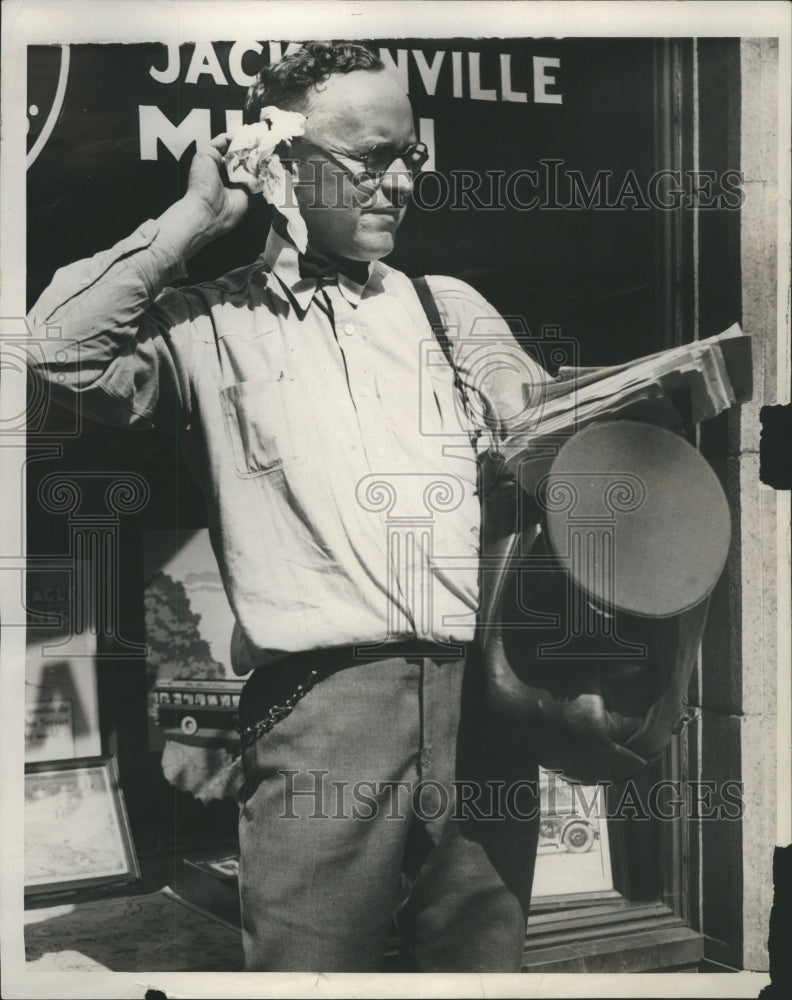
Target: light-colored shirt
{"x": 322, "y": 423}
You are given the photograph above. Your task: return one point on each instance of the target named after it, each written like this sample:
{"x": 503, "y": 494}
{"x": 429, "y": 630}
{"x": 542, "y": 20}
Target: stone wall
{"x": 758, "y": 504}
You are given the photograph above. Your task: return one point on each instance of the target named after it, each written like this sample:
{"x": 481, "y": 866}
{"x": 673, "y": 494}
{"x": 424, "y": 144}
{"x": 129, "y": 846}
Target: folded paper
{"x": 251, "y": 160}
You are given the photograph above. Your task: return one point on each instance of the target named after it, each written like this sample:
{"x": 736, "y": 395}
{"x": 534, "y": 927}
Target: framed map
{"x": 76, "y": 827}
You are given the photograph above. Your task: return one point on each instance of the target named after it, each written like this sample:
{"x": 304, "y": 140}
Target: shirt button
{"x": 349, "y": 329}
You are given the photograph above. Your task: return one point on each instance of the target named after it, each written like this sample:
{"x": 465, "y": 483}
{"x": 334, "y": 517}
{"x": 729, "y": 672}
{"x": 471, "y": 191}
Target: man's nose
{"x": 397, "y": 183}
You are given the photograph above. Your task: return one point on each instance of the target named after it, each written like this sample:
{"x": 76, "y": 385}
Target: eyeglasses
{"x": 378, "y": 160}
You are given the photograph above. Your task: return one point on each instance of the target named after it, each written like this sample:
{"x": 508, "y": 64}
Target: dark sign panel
{"x": 539, "y": 187}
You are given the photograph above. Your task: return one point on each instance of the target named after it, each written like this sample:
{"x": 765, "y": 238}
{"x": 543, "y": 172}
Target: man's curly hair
{"x": 287, "y": 83}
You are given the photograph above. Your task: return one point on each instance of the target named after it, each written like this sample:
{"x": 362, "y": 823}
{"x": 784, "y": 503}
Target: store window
{"x": 602, "y": 265}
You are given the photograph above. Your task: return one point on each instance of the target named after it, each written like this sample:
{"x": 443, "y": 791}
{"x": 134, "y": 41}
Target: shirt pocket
{"x": 263, "y": 420}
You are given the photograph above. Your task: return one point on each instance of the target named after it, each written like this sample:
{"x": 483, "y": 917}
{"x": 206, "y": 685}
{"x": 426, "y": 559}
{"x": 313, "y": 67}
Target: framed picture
{"x": 77, "y": 832}
{"x": 573, "y": 858}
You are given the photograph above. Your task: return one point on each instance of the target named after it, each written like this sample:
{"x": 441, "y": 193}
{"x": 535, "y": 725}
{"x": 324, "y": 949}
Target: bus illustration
{"x": 203, "y": 711}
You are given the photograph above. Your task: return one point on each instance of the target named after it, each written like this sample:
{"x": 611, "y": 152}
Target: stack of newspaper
{"x": 690, "y": 383}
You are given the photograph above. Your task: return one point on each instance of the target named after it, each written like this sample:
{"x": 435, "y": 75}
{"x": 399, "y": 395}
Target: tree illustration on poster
{"x": 176, "y": 647}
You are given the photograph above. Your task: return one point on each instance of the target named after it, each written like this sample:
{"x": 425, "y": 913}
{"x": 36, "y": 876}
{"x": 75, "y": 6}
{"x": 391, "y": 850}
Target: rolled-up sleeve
{"x": 104, "y": 334}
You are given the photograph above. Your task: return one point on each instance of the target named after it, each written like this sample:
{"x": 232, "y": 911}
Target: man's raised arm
{"x": 102, "y": 334}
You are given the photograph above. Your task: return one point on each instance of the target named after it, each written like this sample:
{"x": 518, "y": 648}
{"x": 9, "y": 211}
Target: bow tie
{"x": 325, "y": 271}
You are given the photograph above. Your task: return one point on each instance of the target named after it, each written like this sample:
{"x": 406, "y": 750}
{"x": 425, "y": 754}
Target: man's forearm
{"x": 101, "y": 302}
{"x": 113, "y": 346}
{"x": 105, "y": 296}
{"x": 99, "y": 307}
{"x": 188, "y": 224}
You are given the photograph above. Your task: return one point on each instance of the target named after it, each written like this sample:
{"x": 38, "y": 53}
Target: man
{"x": 338, "y": 458}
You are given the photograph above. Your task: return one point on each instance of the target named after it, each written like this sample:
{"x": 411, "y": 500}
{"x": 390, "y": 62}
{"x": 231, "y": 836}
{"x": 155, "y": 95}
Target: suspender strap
{"x": 433, "y": 315}
{"x": 439, "y": 330}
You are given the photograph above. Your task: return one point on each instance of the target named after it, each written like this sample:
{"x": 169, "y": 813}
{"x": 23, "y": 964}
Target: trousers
{"x": 384, "y": 801}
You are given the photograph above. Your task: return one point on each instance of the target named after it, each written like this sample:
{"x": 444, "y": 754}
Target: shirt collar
{"x": 282, "y": 258}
